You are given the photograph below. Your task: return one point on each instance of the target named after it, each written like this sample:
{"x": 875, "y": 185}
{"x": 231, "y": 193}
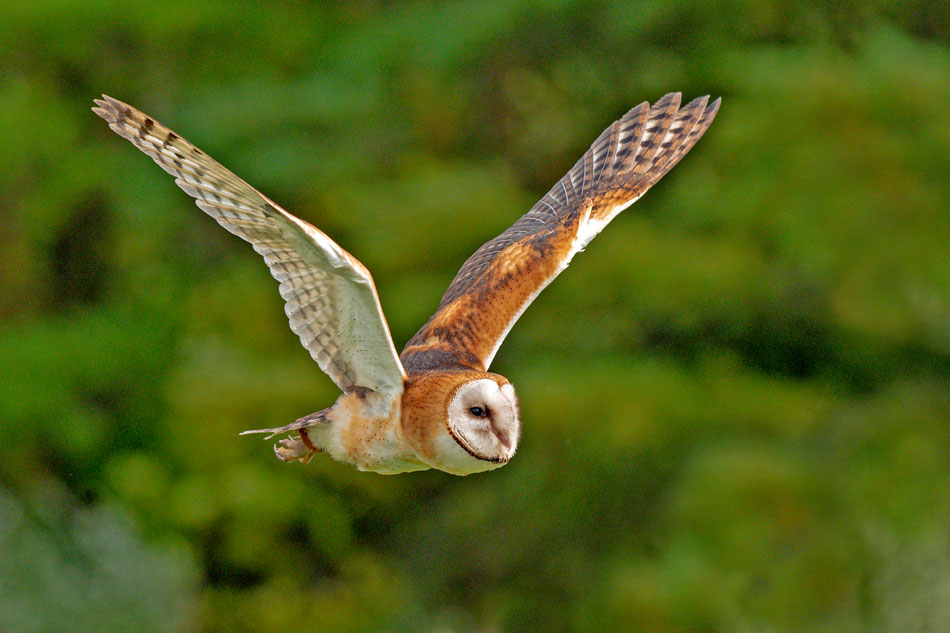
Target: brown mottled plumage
{"x": 436, "y": 405}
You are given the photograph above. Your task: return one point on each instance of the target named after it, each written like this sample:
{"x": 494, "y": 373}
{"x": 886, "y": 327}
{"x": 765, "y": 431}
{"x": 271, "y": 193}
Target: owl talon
{"x": 294, "y": 449}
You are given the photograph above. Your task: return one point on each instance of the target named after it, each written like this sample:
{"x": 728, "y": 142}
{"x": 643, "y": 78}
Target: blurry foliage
{"x": 736, "y": 402}
{"x": 74, "y": 569}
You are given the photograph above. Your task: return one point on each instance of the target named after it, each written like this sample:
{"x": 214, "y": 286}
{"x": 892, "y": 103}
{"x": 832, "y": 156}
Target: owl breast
{"x": 367, "y": 434}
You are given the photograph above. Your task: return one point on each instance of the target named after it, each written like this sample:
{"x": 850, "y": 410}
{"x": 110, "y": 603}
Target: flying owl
{"x": 436, "y": 405}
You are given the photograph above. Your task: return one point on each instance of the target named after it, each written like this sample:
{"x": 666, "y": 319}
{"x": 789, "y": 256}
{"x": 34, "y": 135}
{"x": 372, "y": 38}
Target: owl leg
{"x": 296, "y": 448}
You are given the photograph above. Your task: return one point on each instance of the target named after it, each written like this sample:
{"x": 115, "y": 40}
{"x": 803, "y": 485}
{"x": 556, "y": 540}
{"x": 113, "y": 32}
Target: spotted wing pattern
{"x": 331, "y": 300}
{"x": 503, "y": 277}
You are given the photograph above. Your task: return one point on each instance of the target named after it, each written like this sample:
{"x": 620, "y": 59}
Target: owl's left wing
{"x": 331, "y": 300}
{"x": 498, "y": 282}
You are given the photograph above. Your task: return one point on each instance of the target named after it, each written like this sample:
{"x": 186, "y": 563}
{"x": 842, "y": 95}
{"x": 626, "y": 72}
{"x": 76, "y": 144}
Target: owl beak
{"x": 503, "y": 437}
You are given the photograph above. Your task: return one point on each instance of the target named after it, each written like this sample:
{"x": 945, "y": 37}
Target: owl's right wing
{"x": 505, "y": 274}
{"x": 331, "y": 299}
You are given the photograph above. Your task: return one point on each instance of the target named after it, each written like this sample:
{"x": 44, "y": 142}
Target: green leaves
{"x": 735, "y": 401}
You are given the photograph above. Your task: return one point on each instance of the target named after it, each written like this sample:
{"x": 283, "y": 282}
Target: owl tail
{"x": 320, "y": 417}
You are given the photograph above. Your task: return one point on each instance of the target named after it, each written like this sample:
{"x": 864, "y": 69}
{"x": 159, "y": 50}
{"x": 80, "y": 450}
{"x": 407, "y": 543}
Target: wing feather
{"x": 498, "y": 282}
{"x": 330, "y": 297}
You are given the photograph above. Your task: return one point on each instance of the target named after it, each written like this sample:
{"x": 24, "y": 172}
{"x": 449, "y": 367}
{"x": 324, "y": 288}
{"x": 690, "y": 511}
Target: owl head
{"x": 464, "y": 422}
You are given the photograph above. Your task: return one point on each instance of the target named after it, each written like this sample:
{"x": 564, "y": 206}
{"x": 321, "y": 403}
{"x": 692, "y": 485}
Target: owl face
{"x": 483, "y": 419}
{"x": 461, "y": 422}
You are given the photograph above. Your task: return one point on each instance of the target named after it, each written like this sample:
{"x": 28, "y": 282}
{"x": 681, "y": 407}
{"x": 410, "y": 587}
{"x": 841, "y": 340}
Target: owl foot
{"x": 296, "y": 449}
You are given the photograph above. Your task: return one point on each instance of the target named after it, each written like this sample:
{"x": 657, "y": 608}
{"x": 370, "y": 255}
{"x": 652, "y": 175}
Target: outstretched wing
{"x": 503, "y": 277}
{"x": 331, "y": 300}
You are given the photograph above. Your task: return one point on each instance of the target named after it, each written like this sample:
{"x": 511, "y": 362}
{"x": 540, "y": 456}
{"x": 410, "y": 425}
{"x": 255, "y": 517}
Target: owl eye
{"x": 478, "y": 412}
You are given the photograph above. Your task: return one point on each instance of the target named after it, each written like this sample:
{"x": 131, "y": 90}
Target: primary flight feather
{"x": 436, "y": 405}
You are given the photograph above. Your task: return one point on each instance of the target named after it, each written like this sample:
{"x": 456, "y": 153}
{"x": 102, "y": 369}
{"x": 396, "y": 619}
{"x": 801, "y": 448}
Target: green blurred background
{"x": 736, "y": 403}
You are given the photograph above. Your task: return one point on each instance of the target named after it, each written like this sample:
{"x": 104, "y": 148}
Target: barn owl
{"x": 436, "y": 405}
